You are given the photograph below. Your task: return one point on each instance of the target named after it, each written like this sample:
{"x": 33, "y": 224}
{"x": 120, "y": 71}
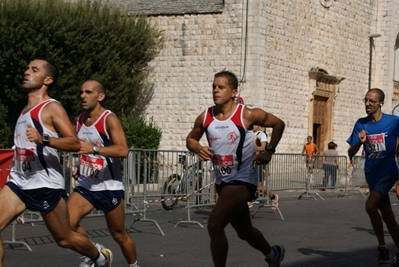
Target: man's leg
{"x": 116, "y": 225}
{"x": 389, "y": 218}
{"x": 1, "y": 252}
{"x": 375, "y": 217}
{"x": 57, "y": 222}
{"x": 10, "y": 206}
{"x": 231, "y": 198}
{"x": 78, "y": 207}
{"x": 240, "y": 219}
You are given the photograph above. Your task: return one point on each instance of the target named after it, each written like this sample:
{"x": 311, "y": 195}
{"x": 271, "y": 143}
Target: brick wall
{"x": 284, "y": 40}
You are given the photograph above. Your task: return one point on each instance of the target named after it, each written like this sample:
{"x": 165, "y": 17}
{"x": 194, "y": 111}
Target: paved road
{"x": 333, "y": 232}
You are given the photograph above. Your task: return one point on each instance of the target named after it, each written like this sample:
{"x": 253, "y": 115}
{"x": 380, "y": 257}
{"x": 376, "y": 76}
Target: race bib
{"x": 25, "y": 160}
{"x": 375, "y": 143}
{"x": 91, "y": 167}
{"x": 224, "y": 164}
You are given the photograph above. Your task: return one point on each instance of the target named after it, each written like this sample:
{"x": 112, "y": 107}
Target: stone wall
{"x": 271, "y": 46}
{"x": 284, "y": 40}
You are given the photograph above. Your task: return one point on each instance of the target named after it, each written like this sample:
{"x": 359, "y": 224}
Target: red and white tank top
{"x": 98, "y": 173}
{"x": 232, "y": 146}
{"x": 35, "y": 166}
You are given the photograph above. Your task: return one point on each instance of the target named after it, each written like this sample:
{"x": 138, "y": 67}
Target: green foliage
{"x": 139, "y": 134}
{"x": 85, "y": 39}
{"x": 5, "y": 132}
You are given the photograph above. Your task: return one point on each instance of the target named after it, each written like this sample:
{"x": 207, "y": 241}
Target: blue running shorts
{"x": 106, "y": 200}
{"x": 382, "y": 187}
{"x": 41, "y": 199}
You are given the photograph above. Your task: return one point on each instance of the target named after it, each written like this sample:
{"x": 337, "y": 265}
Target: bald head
{"x": 96, "y": 85}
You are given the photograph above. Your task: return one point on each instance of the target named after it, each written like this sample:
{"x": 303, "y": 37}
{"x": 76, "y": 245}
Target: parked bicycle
{"x": 177, "y": 186}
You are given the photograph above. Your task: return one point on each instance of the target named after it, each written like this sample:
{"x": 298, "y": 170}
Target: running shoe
{"x": 86, "y": 261}
{"x": 395, "y": 260}
{"x": 276, "y": 262}
{"x": 108, "y": 257}
{"x": 383, "y": 255}
{"x": 274, "y": 203}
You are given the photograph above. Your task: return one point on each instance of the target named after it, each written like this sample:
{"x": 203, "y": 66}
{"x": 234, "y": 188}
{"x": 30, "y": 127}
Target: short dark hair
{"x": 379, "y": 92}
{"x": 51, "y": 70}
{"x": 332, "y": 145}
{"x": 230, "y": 76}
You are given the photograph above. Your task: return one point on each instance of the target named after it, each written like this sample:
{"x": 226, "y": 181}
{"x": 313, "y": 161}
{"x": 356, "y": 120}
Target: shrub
{"x": 84, "y": 39}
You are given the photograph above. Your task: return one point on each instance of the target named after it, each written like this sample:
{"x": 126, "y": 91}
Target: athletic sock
{"x": 133, "y": 265}
{"x": 100, "y": 260}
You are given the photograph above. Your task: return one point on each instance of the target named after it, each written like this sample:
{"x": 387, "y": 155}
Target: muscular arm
{"x": 192, "y": 140}
{"x": 55, "y": 118}
{"x": 118, "y": 148}
{"x": 262, "y": 118}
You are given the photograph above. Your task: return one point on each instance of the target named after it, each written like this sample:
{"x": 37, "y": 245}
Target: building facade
{"x": 309, "y": 62}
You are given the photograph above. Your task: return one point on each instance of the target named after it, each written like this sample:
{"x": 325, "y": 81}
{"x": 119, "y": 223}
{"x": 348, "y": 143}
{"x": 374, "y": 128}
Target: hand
{"x": 205, "y": 153}
{"x": 33, "y": 135}
{"x": 362, "y": 136}
{"x": 85, "y": 147}
{"x": 75, "y": 173}
{"x": 263, "y": 158}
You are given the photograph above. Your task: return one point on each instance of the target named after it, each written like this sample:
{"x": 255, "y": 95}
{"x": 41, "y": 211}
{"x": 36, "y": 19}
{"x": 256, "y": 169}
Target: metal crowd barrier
{"x": 162, "y": 177}
{"x": 166, "y": 177}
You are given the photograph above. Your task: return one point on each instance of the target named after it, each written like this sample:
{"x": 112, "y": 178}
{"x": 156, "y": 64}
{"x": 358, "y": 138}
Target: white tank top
{"x": 98, "y": 173}
{"x": 35, "y": 166}
{"x": 232, "y": 146}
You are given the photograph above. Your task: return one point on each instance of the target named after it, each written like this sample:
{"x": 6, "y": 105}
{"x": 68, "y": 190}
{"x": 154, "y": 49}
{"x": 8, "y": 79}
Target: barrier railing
{"x": 167, "y": 177}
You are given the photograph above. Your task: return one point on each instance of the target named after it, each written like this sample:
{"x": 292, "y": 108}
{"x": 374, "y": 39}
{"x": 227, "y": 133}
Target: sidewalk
{"x": 333, "y": 232}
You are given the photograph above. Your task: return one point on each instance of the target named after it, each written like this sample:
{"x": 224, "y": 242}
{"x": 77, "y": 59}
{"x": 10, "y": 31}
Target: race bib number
{"x": 375, "y": 143}
{"x": 223, "y": 164}
{"x": 25, "y": 160}
{"x": 91, "y": 167}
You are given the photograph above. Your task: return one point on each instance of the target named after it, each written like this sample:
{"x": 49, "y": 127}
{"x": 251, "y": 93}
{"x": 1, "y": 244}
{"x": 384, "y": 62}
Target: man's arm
{"x": 316, "y": 150}
{"x": 55, "y": 118}
{"x": 354, "y": 149}
{"x": 118, "y": 148}
{"x": 362, "y": 135}
{"x": 262, "y": 118}
{"x": 192, "y": 140}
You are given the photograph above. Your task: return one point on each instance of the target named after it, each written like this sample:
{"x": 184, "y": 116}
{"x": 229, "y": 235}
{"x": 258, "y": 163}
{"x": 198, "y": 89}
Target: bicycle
{"x": 175, "y": 187}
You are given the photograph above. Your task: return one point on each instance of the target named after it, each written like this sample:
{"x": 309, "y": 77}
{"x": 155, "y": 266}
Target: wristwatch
{"x": 96, "y": 150}
{"x": 46, "y": 140}
{"x": 270, "y": 148}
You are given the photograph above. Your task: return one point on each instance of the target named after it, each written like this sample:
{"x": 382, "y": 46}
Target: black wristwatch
{"x": 46, "y": 139}
{"x": 270, "y": 148}
{"x": 96, "y": 150}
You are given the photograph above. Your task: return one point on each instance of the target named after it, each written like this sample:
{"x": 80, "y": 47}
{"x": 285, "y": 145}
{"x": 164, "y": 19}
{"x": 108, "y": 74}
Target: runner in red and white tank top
{"x": 102, "y": 144}
{"x": 228, "y": 128}
{"x": 35, "y": 166}
{"x": 98, "y": 172}
{"x": 233, "y": 149}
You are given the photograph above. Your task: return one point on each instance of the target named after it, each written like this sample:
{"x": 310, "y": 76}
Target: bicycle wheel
{"x": 170, "y": 190}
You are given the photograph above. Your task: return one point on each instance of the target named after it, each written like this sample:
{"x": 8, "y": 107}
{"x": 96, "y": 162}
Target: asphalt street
{"x": 331, "y": 232}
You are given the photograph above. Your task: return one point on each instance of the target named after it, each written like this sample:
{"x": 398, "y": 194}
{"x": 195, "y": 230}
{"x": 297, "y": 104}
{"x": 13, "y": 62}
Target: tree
{"x": 85, "y": 40}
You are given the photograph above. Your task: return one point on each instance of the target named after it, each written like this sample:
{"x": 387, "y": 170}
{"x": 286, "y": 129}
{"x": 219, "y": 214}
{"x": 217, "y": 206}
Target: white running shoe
{"x": 108, "y": 257}
{"x": 86, "y": 261}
